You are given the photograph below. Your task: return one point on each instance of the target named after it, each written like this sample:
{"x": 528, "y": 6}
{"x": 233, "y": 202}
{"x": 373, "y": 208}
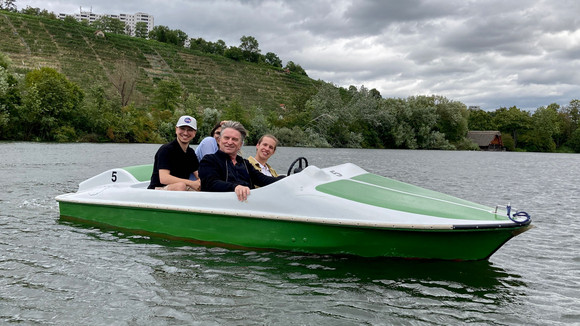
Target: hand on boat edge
{"x": 242, "y": 192}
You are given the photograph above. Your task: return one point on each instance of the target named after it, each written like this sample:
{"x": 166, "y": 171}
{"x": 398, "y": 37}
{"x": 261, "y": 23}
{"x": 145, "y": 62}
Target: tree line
{"x": 43, "y": 105}
{"x": 548, "y": 129}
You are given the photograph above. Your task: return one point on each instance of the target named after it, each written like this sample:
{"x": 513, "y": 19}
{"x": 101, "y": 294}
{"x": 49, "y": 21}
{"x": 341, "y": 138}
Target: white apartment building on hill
{"x": 129, "y": 20}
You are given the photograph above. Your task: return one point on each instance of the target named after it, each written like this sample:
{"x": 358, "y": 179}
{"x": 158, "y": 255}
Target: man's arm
{"x": 166, "y": 178}
{"x": 257, "y": 178}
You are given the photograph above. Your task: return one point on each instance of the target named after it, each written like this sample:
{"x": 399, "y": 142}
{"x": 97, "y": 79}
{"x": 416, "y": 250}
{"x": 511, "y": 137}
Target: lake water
{"x": 56, "y": 272}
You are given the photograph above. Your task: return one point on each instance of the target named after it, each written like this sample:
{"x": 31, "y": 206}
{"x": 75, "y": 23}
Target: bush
{"x": 91, "y": 138}
{"x": 65, "y": 134}
{"x": 297, "y": 137}
{"x": 316, "y": 140}
{"x": 466, "y": 144}
{"x": 207, "y": 121}
{"x": 574, "y": 142}
{"x": 508, "y": 142}
{"x": 437, "y": 141}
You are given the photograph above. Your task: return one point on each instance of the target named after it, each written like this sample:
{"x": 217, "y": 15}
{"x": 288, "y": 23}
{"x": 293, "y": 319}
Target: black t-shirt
{"x": 171, "y": 157}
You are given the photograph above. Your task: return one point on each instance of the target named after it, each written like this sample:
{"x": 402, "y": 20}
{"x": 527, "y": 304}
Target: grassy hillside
{"x": 32, "y": 42}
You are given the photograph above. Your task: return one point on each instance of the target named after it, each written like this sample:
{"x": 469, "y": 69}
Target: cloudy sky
{"x": 494, "y": 53}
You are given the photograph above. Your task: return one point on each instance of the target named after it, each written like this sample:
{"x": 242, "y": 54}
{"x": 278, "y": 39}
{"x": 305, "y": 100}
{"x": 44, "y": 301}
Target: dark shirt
{"x": 219, "y": 174}
{"x": 179, "y": 163}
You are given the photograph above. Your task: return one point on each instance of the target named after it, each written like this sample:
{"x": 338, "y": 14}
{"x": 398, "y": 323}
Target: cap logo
{"x": 187, "y": 120}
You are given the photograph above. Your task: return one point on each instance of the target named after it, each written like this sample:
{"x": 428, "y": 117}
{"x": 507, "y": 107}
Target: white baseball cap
{"x": 187, "y": 121}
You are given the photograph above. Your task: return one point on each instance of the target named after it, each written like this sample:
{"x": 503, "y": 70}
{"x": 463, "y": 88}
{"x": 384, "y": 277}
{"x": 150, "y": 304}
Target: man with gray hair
{"x": 226, "y": 170}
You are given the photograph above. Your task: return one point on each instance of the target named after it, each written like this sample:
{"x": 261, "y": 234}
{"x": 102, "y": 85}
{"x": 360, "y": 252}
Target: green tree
{"x": 391, "y": 110}
{"x": 452, "y": 118}
{"x": 250, "y": 48}
{"x": 513, "y": 121}
{"x": 109, "y": 24}
{"x": 414, "y": 124}
{"x": 202, "y": 45}
{"x": 179, "y": 38}
{"x": 508, "y": 142}
{"x": 544, "y": 126}
{"x": 382, "y": 124}
{"x": 30, "y": 11}
{"x": 480, "y": 120}
{"x": 234, "y": 53}
{"x": 338, "y": 118}
{"x": 199, "y": 44}
{"x": 122, "y": 128}
{"x": 70, "y": 20}
{"x": 326, "y": 108}
{"x": 366, "y": 118}
{"x": 569, "y": 119}
{"x": 573, "y": 109}
{"x": 4, "y": 112}
{"x": 124, "y": 78}
{"x": 273, "y": 60}
{"x": 50, "y": 101}
{"x": 167, "y": 95}
{"x": 96, "y": 114}
{"x": 165, "y": 119}
{"x": 219, "y": 47}
{"x": 163, "y": 34}
{"x": 141, "y": 30}
{"x": 574, "y": 141}
{"x": 235, "y": 111}
{"x": 258, "y": 125}
{"x": 38, "y": 12}
{"x": 191, "y": 106}
{"x": 209, "y": 118}
{"x": 9, "y": 98}
{"x": 297, "y": 137}
{"x": 116, "y": 26}
{"x": 160, "y": 33}
{"x": 422, "y": 120}
{"x": 7, "y": 5}
{"x": 295, "y": 68}
{"x": 294, "y": 113}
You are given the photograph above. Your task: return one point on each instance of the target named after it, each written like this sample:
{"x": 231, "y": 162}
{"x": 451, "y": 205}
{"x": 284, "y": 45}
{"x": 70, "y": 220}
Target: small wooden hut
{"x": 487, "y": 140}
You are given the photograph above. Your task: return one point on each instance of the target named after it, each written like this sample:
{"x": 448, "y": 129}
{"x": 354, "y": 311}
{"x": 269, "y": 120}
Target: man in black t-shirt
{"x": 176, "y": 164}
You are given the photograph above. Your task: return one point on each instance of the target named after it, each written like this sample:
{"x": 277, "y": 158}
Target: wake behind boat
{"x": 336, "y": 210}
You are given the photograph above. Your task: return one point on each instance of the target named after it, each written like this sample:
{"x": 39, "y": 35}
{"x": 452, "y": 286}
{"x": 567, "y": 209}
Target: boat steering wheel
{"x": 299, "y": 168}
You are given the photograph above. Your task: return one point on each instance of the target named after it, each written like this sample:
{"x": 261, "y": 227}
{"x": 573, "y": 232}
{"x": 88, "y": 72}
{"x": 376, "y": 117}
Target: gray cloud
{"x": 492, "y": 53}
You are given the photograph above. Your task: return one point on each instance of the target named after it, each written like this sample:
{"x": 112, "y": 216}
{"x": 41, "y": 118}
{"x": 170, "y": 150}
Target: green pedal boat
{"x": 336, "y": 210}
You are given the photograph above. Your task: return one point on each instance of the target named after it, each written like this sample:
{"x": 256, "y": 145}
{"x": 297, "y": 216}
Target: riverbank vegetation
{"x": 61, "y": 82}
